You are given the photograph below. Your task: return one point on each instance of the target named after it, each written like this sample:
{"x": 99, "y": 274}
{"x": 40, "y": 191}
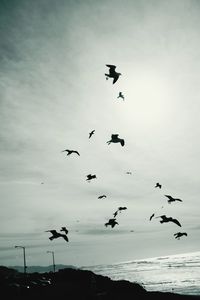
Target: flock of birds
{"x": 115, "y": 139}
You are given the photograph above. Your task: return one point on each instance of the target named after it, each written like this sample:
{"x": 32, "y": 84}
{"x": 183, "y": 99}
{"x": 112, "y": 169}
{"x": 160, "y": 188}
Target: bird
{"x": 111, "y": 222}
{"x": 112, "y": 73}
{"x": 91, "y": 133}
{"x": 115, "y": 213}
{"x": 56, "y": 235}
{"x": 151, "y": 217}
{"x": 116, "y": 139}
{"x": 102, "y": 196}
{"x": 120, "y": 95}
{"x": 158, "y": 185}
{"x": 90, "y": 176}
{"x": 171, "y": 199}
{"x": 130, "y": 173}
{"x": 179, "y": 234}
{"x": 121, "y": 208}
{"x": 71, "y": 151}
{"x": 168, "y": 219}
{"x": 64, "y": 229}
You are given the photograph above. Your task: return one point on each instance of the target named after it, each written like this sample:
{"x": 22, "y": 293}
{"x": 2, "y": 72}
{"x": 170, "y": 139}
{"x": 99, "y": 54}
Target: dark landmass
{"x": 72, "y": 284}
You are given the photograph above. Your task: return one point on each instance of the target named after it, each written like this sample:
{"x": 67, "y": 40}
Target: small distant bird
{"x": 171, "y": 199}
{"x": 64, "y": 229}
{"x": 90, "y": 176}
{"x": 111, "y": 222}
{"x": 169, "y": 219}
{"x": 70, "y": 151}
{"x": 128, "y": 173}
{"x": 91, "y": 133}
{"x": 56, "y": 235}
{"x": 112, "y": 73}
{"x": 120, "y": 95}
{"x": 115, "y": 213}
{"x": 158, "y": 185}
{"x": 151, "y": 217}
{"x": 116, "y": 139}
{"x": 121, "y": 208}
{"x": 178, "y": 235}
{"x": 102, "y": 196}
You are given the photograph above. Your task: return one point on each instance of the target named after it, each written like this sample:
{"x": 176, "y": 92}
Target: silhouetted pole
{"x": 54, "y": 266}
{"x": 24, "y": 254}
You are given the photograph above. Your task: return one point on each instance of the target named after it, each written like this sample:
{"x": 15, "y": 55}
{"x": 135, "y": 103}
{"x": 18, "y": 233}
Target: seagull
{"x": 151, "y": 217}
{"x": 115, "y": 139}
{"x": 112, "y": 73}
{"x": 169, "y": 219}
{"x": 56, "y": 235}
{"x": 129, "y": 173}
{"x": 111, "y": 222}
{"x": 120, "y": 95}
{"x": 70, "y": 151}
{"x": 90, "y": 176}
{"x": 121, "y": 208}
{"x": 91, "y": 133}
{"x": 171, "y": 199}
{"x": 102, "y": 196}
{"x": 179, "y": 234}
{"x": 158, "y": 185}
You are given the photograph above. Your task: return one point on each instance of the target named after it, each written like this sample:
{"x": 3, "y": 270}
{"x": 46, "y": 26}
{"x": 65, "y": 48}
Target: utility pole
{"x": 54, "y": 266}
{"x": 24, "y": 255}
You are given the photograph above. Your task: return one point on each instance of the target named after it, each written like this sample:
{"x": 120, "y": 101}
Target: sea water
{"x": 175, "y": 273}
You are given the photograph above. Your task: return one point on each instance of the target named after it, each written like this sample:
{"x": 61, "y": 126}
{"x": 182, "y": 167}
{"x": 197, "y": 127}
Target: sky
{"x": 53, "y": 92}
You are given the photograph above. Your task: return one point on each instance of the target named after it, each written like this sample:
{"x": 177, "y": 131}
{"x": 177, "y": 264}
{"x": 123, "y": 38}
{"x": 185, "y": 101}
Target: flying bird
{"x": 168, "y": 219}
{"x": 90, "y": 176}
{"x": 158, "y": 185}
{"x": 102, "y": 196}
{"x": 56, "y": 235}
{"x": 91, "y": 133}
{"x": 178, "y": 235}
{"x": 120, "y": 95}
{"x": 115, "y": 213}
{"x": 111, "y": 222}
{"x": 151, "y": 217}
{"x": 171, "y": 199}
{"x": 116, "y": 139}
{"x": 112, "y": 73}
{"x": 129, "y": 173}
{"x": 70, "y": 151}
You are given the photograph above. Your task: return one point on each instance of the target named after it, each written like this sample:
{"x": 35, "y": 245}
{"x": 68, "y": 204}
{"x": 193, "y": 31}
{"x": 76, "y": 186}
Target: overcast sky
{"x": 53, "y": 92}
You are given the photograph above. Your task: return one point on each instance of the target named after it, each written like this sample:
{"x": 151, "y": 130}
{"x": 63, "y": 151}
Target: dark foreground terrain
{"x": 71, "y": 284}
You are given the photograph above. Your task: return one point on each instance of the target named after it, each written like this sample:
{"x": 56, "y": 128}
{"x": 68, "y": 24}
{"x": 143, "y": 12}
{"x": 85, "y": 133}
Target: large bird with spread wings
{"x": 166, "y": 219}
{"x": 171, "y": 199}
{"x": 112, "y": 73}
{"x": 116, "y": 139}
{"x": 56, "y": 235}
{"x": 69, "y": 152}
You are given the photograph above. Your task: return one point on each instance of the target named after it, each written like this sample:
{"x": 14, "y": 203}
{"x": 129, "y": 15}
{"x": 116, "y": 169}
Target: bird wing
{"x": 112, "y": 67}
{"x": 122, "y": 142}
{"x": 168, "y": 196}
{"x": 178, "y": 200}
{"x": 115, "y": 78}
{"x": 65, "y": 238}
{"x": 114, "y": 136}
{"x": 77, "y": 152}
{"x": 151, "y": 216}
{"x": 176, "y": 222}
{"x": 52, "y": 231}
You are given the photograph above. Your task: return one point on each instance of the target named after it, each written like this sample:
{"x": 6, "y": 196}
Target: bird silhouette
{"x": 70, "y": 151}
{"x": 112, "y": 73}
{"x": 121, "y": 95}
{"x": 56, "y": 235}
{"x": 151, "y": 217}
{"x": 90, "y": 176}
{"x": 171, "y": 199}
{"x": 102, "y": 196}
{"x": 168, "y": 219}
{"x": 91, "y": 133}
{"x": 158, "y": 185}
{"x": 116, "y": 139}
{"x": 115, "y": 213}
{"x": 129, "y": 173}
{"x": 178, "y": 235}
{"x": 111, "y": 222}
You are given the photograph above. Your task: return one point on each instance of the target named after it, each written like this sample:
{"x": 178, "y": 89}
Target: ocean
{"x": 175, "y": 273}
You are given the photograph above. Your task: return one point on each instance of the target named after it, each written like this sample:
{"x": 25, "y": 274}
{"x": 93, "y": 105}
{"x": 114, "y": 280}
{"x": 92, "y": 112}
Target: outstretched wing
{"x": 65, "y": 238}
{"x": 178, "y": 200}
{"x": 115, "y": 78}
{"x": 52, "y": 231}
{"x": 151, "y": 217}
{"x": 112, "y": 67}
{"x": 176, "y": 222}
{"x": 77, "y": 152}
